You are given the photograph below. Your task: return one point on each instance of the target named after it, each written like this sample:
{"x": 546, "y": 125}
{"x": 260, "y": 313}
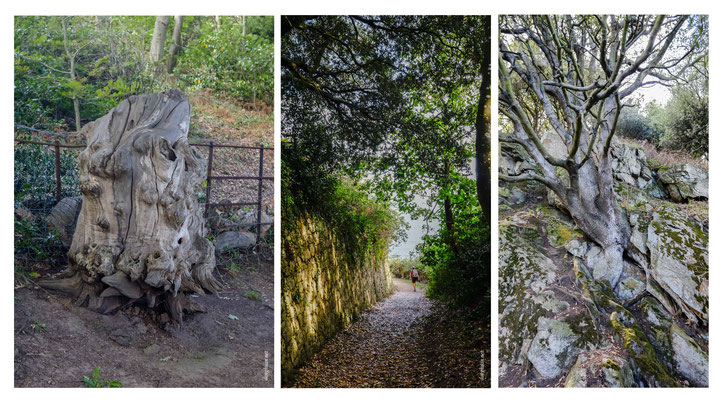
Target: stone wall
{"x": 326, "y": 283}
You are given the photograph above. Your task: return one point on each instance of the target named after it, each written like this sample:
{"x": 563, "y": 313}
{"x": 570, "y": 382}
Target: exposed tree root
{"x": 109, "y": 299}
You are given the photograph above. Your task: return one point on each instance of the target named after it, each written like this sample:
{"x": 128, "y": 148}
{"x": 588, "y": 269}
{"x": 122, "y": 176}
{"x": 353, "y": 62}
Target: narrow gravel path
{"x": 382, "y": 349}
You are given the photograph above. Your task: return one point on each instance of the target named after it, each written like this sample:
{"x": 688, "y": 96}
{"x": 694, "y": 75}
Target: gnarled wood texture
{"x": 140, "y": 235}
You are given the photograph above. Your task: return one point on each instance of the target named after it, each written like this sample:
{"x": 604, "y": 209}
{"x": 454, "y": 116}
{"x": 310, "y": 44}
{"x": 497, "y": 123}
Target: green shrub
{"x": 362, "y": 221}
{"x": 460, "y": 276}
{"x": 95, "y": 381}
{"x": 227, "y": 60}
{"x": 633, "y": 125}
{"x": 687, "y": 124}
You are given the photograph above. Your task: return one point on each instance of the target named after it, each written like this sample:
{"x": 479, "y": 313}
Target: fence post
{"x": 208, "y": 177}
{"x": 259, "y": 194}
{"x": 57, "y": 171}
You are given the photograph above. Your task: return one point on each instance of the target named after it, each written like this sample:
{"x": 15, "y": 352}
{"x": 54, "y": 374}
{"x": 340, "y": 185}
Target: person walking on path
{"x": 414, "y": 277}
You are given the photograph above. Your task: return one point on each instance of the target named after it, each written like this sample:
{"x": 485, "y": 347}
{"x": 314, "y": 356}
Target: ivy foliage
{"x": 365, "y": 224}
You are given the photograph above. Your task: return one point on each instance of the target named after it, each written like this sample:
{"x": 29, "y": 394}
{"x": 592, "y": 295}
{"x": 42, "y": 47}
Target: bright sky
{"x": 658, "y": 93}
{"x": 417, "y": 228}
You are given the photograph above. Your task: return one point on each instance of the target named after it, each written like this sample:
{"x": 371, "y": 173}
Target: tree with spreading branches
{"x": 577, "y": 71}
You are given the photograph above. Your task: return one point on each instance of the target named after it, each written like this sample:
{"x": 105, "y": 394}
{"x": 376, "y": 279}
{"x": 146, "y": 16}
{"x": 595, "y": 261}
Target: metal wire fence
{"x": 47, "y": 200}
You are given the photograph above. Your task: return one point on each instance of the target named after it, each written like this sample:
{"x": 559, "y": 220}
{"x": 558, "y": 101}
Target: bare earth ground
{"x": 57, "y": 343}
{"x": 405, "y": 340}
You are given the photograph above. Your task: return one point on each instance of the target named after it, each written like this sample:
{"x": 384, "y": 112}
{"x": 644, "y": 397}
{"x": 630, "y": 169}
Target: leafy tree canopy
{"x": 392, "y": 99}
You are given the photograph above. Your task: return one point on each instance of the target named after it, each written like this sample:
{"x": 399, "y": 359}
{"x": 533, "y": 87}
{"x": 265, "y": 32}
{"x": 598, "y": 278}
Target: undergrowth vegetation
{"x": 458, "y": 260}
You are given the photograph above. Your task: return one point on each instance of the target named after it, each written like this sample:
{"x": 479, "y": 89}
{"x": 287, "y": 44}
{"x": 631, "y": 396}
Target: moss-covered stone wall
{"x": 326, "y": 282}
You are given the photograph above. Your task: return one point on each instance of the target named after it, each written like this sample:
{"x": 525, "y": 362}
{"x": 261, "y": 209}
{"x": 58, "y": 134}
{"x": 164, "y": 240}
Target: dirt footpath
{"x": 405, "y": 340}
{"x": 230, "y": 345}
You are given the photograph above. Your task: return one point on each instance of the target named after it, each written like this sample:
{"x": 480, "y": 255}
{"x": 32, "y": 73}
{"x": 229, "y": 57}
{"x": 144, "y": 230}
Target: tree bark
{"x": 483, "y": 129}
{"x": 72, "y": 71}
{"x": 175, "y": 44}
{"x": 140, "y": 235}
{"x": 483, "y": 146}
{"x": 157, "y": 42}
{"x": 448, "y": 213}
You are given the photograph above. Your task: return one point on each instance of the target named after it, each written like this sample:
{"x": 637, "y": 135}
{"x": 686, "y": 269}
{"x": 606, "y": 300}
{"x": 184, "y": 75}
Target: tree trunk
{"x": 175, "y": 44}
{"x": 483, "y": 129}
{"x": 157, "y": 42}
{"x": 587, "y": 192}
{"x": 450, "y": 224}
{"x": 593, "y": 207}
{"x": 483, "y": 146}
{"x": 140, "y": 235}
{"x": 72, "y": 71}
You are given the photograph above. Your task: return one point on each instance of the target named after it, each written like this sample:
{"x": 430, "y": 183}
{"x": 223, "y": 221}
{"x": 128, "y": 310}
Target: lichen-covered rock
{"x": 536, "y": 318}
{"x": 629, "y": 165}
{"x": 551, "y": 352}
{"x": 559, "y": 230}
{"x": 601, "y": 368}
{"x": 679, "y": 261}
{"x": 629, "y": 288}
{"x": 638, "y": 238}
{"x": 554, "y": 144}
{"x": 514, "y": 160}
{"x": 685, "y": 182}
{"x": 649, "y": 367}
{"x": 656, "y": 324}
{"x": 632, "y": 284}
{"x": 690, "y": 360}
{"x": 599, "y": 261}
{"x": 577, "y": 248}
{"x": 517, "y": 196}
{"x": 524, "y": 275}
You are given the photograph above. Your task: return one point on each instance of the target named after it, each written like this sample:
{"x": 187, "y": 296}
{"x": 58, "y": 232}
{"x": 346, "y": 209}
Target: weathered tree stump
{"x": 140, "y": 235}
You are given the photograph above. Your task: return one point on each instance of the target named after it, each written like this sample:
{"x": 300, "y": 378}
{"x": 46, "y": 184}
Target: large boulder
{"x": 514, "y": 160}
{"x": 240, "y": 220}
{"x": 684, "y": 182}
{"x": 679, "y": 261}
{"x": 552, "y": 350}
{"x": 249, "y": 220}
{"x": 690, "y": 360}
{"x": 554, "y": 144}
{"x": 232, "y": 240}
